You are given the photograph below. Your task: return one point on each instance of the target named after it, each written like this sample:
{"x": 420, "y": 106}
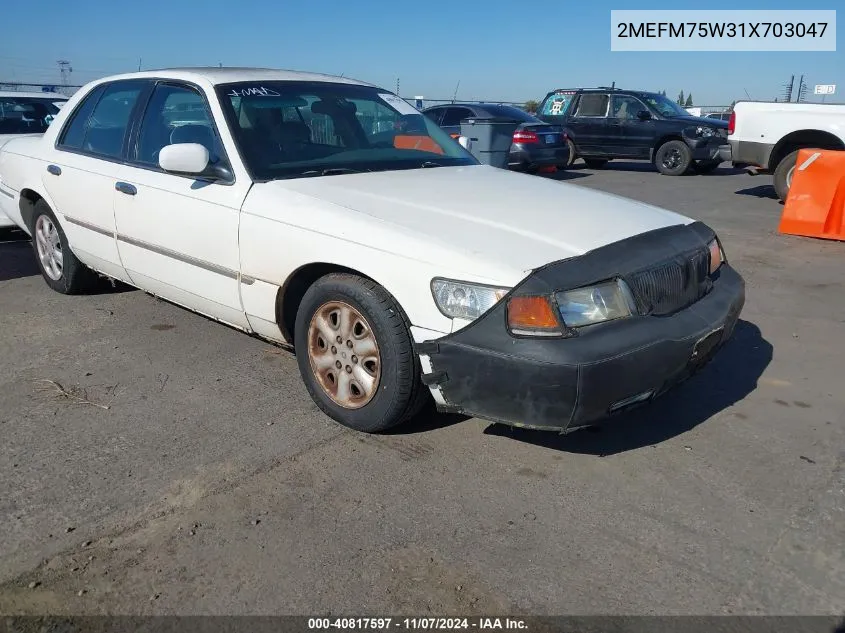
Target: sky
{"x": 500, "y": 50}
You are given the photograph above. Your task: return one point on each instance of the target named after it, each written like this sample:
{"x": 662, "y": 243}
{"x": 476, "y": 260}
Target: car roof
{"x": 56, "y": 96}
{"x": 603, "y": 90}
{"x": 216, "y": 75}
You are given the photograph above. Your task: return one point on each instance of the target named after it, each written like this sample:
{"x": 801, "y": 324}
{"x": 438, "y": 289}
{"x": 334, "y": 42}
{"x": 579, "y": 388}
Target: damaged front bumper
{"x": 565, "y": 383}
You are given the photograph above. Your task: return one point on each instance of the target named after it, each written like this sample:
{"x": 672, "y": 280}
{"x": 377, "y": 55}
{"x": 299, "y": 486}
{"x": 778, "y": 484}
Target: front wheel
{"x": 60, "y": 268}
{"x": 673, "y": 158}
{"x": 355, "y": 354}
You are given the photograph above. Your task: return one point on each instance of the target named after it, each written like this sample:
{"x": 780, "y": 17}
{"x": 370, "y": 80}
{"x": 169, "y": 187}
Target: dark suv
{"x": 607, "y": 123}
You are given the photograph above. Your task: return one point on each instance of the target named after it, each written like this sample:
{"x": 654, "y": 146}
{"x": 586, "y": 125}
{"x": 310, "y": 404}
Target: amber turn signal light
{"x": 532, "y": 316}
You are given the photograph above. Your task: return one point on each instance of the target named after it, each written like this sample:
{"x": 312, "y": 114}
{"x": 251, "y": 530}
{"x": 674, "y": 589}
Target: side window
{"x": 176, "y": 114}
{"x": 454, "y": 116}
{"x": 106, "y": 126}
{"x": 592, "y": 105}
{"x": 625, "y": 107}
{"x": 74, "y": 132}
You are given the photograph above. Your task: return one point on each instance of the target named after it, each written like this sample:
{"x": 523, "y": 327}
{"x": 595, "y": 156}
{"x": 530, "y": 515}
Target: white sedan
{"x": 330, "y": 216}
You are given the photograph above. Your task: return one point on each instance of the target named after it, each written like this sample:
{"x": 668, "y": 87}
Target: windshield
{"x": 290, "y": 129}
{"x": 664, "y": 106}
{"x": 26, "y": 115}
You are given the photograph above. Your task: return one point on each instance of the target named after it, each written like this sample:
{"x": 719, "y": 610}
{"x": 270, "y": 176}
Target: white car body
{"x": 229, "y": 251}
{"x": 764, "y": 134}
{"x": 53, "y": 98}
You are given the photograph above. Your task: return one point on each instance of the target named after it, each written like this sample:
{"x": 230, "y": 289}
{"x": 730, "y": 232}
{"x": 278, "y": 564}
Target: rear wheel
{"x": 673, "y": 158}
{"x": 782, "y": 176}
{"x": 60, "y": 268}
{"x": 355, "y": 354}
{"x": 595, "y": 163}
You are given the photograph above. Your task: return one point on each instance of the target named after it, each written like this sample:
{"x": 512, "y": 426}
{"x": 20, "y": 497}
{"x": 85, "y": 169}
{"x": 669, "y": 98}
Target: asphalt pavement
{"x": 154, "y": 461}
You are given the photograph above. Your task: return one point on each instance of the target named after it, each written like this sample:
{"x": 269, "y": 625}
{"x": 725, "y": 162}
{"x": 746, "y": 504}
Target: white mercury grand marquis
{"x": 330, "y": 216}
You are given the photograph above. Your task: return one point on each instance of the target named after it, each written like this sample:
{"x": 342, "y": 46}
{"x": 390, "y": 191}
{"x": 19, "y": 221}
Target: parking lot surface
{"x": 173, "y": 465}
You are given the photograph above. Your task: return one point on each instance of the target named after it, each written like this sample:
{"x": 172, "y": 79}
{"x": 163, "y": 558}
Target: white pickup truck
{"x": 766, "y": 137}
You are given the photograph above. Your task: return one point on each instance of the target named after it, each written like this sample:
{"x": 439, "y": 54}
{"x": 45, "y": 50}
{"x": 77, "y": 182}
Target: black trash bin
{"x": 490, "y": 139}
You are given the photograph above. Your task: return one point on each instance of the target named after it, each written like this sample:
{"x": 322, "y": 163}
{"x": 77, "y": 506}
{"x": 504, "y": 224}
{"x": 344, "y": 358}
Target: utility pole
{"x": 139, "y": 64}
{"x": 397, "y": 86}
{"x": 64, "y": 70}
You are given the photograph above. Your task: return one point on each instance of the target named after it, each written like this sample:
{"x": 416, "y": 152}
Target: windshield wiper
{"x": 430, "y": 163}
{"x": 331, "y": 171}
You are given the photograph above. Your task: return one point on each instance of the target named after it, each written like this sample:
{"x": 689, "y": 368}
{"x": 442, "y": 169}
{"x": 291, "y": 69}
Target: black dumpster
{"x": 489, "y": 139}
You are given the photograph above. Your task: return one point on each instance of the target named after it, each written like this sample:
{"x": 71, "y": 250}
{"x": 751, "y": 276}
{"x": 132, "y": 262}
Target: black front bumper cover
{"x": 566, "y": 383}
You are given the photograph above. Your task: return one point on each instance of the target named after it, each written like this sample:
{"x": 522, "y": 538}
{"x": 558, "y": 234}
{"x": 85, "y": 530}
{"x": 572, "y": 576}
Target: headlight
{"x": 717, "y": 257}
{"x": 462, "y": 300}
{"x": 595, "y": 304}
{"x": 704, "y": 131}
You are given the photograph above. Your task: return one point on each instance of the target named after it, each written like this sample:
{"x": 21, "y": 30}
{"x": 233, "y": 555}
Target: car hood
{"x": 509, "y": 219}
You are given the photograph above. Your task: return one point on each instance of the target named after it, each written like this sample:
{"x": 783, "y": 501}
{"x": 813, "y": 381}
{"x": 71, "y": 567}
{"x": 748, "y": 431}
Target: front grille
{"x": 672, "y": 285}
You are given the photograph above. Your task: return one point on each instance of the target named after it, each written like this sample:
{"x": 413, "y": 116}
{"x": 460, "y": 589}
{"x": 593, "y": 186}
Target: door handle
{"x": 54, "y": 169}
{"x": 125, "y": 187}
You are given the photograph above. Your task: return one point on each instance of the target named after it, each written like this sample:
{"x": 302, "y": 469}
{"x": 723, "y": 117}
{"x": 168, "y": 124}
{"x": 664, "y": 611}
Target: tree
{"x": 681, "y": 98}
{"x": 733, "y": 103}
{"x": 663, "y": 93}
{"x": 531, "y": 106}
{"x": 688, "y": 103}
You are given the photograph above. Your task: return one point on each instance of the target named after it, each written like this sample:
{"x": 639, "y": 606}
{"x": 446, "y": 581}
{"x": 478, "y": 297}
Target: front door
{"x": 178, "y": 235}
{"x": 636, "y": 135}
{"x": 82, "y": 170}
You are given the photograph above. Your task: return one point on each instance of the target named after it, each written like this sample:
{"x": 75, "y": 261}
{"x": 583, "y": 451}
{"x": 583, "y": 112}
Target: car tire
{"x": 673, "y": 158}
{"x": 782, "y": 176}
{"x": 706, "y": 166}
{"x": 60, "y": 268}
{"x": 573, "y": 154}
{"x": 341, "y": 317}
{"x": 595, "y": 163}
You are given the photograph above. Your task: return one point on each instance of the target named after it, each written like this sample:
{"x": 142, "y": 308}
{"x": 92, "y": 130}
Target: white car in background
{"x": 23, "y": 113}
{"x": 391, "y": 261}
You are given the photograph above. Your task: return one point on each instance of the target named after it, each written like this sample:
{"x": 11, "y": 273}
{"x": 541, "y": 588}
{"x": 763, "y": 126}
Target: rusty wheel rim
{"x": 344, "y": 354}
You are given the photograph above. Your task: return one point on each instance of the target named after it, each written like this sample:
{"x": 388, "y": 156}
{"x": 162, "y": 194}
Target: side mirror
{"x": 464, "y": 142}
{"x": 183, "y": 158}
{"x": 644, "y": 115}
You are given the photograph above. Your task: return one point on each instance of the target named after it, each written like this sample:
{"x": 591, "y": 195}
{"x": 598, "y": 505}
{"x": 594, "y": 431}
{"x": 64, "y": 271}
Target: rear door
{"x": 630, "y": 136}
{"x": 589, "y": 126}
{"x": 83, "y": 167}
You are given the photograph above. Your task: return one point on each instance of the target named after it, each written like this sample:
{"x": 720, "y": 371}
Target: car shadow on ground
{"x": 563, "y": 175}
{"x": 16, "y": 257}
{"x": 17, "y": 260}
{"x": 729, "y": 378}
{"x": 646, "y": 166}
{"x": 760, "y": 191}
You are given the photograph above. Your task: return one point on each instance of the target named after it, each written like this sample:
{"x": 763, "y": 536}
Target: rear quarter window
{"x": 557, "y": 104}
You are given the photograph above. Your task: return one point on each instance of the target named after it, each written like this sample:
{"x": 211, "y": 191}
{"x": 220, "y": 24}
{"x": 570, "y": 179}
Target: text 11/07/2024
{"x": 418, "y": 624}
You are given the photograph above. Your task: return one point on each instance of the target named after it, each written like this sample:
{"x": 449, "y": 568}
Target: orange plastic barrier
{"x": 815, "y": 206}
